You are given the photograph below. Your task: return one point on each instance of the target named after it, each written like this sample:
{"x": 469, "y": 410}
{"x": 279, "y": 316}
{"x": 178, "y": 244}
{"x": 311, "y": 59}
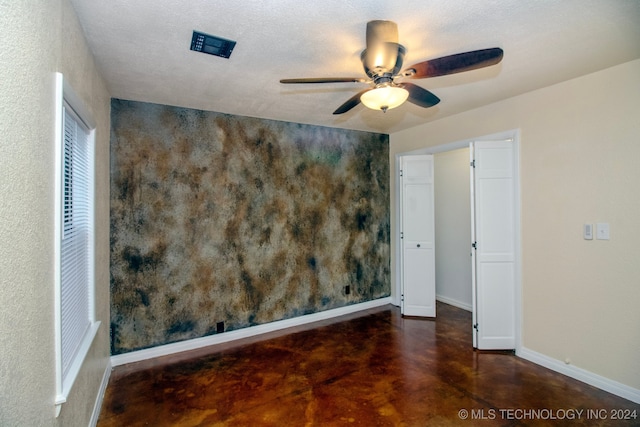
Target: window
{"x": 76, "y": 325}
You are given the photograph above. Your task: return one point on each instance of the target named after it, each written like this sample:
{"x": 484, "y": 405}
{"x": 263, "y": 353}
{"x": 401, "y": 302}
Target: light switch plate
{"x": 588, "y": 232}
{"x": 602, "y": 231}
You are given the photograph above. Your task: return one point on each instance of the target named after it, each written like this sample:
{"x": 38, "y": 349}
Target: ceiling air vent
{"x": 205, "y": 43}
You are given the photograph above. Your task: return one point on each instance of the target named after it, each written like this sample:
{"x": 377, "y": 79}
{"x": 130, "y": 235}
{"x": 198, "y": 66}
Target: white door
{"x": 474, "y": 282}
{"x": 494, "y": 244}
{"x": 418, "y": 274}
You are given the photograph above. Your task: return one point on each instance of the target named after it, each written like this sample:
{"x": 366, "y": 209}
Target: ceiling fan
{"x": 382, "y": 60}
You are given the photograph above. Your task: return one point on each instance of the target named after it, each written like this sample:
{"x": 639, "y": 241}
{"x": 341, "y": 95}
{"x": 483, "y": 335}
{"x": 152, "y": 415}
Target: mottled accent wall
{"x": 219, "y": 218}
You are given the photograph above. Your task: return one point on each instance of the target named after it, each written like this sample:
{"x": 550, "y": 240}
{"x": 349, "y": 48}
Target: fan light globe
{"x": 384, "y": 98}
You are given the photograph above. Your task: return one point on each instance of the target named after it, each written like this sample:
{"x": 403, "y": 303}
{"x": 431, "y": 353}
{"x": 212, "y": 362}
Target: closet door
{"x": 494, "y": 202}
{"x": 417, "y": 234}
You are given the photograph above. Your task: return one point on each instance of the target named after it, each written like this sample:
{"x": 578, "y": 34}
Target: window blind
{"x": 76, "y": 325}
{"x": 76, "y": 241}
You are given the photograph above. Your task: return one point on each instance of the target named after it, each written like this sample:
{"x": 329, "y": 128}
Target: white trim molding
{"x": 454, "y": 302}
{"x": 196, "y": 343}
{"x": 103, "y": 388}
{"x": 580, "y": 374}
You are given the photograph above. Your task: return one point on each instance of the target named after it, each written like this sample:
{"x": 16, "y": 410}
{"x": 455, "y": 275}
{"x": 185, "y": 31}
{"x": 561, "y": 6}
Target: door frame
{"x": 514, "y": 135}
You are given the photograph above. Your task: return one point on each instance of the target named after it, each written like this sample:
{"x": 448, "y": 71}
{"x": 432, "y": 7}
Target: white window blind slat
{"x": 77, "y": 226}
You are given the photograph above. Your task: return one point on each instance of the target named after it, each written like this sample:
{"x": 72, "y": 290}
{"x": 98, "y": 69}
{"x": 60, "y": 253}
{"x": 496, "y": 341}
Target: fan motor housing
{"x": 377, "y": 72}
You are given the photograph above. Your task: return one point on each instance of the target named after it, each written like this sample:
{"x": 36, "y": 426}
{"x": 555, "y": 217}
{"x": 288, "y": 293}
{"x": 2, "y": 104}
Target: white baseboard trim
{"x": 165, "y": 350}
{"x": 454, "y": 302}
{"x": 103, "y": 387}
{"x": 580, "y": 374}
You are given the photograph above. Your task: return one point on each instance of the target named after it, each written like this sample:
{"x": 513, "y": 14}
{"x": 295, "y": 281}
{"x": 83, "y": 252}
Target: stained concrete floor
{"x": 373, "y": 368}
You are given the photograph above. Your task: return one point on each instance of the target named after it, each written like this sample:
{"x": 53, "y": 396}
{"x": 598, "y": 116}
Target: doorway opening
{"x": 455, "y": 221}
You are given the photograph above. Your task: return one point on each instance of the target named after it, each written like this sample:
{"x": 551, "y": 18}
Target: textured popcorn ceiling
{"x": 142, "y": 48}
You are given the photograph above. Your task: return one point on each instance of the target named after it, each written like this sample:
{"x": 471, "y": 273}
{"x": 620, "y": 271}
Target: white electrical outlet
{"x": 602, "y": 231}
{"x": 588, "y": 232}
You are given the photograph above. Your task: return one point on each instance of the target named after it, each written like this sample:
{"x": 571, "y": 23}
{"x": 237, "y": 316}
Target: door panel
{"x": 496, "y": 213}
{"x": 419, "y": 294}
{"x": 496, "y": 315}
{"x": 418, "y": 202}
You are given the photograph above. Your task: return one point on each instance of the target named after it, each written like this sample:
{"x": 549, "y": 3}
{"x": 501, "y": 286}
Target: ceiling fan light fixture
{"x": 382, "y": 60}
{"x": 384, "y": 98}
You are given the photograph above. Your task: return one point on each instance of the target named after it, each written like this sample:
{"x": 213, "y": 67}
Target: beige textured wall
{"x": 38, "y": 39}
{"x": 579, "y": 154}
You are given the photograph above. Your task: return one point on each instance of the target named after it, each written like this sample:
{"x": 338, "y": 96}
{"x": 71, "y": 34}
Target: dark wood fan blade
{"x": 326, "y": 80}
{"x": 420, "y": 96}
{"x": 351, "y": 102}
{"x": 457, "y": 63}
